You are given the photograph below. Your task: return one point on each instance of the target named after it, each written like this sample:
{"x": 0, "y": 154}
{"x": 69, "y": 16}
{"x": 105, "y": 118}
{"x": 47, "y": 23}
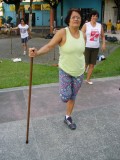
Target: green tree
{"x": 53, "y": 3}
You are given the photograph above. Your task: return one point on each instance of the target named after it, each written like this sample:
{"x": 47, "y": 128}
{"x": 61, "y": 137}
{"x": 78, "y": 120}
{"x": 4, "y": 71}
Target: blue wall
{"x": 42, "y": 18}
{"x": 7, "y": 13}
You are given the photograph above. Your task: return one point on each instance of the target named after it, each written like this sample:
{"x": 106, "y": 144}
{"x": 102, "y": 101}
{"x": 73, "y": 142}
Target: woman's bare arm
{"x": 83, "y": 29}
{"x": 103, "y": 39}
{"x": 56, "y": 40}
{"x": 15, "y": 28}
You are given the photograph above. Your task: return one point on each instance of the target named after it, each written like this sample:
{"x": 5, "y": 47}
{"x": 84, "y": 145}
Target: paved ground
{"x": 96, "y": 113}
{"x": 15, "y": 50}
{"x": 10, "y": 47}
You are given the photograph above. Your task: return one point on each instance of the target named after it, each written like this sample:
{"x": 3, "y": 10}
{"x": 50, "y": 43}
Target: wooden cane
{"x": 11, "y": 41}
{"x": 29, "y": 99}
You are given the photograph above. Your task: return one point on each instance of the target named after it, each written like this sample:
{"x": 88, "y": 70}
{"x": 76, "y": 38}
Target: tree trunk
{"x": 30, "y": 15}
{"x": 117, "y": 2}
{"x": 52, "y": 18}
{"x": 17, "y": 6}
{"x": 62, "y": 13}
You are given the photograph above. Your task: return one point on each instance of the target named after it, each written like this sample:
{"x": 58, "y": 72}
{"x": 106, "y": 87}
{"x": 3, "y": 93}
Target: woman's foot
{"x": 89, "y": 82}
{"x": 69, "y": 123}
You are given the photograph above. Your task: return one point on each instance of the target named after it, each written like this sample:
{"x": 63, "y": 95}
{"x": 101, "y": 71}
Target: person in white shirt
{"x": 24, "y": 32}
{"x": 93, "y": 32}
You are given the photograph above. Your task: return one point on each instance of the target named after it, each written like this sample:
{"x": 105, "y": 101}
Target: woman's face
{"x": 22, "y": 22}
{"x": 94, "y": 18}
{"x": 75, "y": 19}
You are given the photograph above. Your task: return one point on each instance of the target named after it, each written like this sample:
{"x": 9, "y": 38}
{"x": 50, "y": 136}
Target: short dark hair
{"x": 67, "y": 19}
{"x": 93, "y": 13}
{"x": 22, "y": 19}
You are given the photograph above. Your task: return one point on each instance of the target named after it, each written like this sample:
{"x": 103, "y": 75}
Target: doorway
{"x": 27, "y": 18}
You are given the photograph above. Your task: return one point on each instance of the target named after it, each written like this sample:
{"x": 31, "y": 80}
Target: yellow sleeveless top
{"x": 72, "y": 60}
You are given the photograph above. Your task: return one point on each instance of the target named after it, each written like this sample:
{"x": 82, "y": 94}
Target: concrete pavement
{"x": 11, "y": 48}
{"x": 97, "y": 115}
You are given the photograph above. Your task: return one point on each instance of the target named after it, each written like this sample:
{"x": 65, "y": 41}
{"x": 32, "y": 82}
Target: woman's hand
{"x": 103, "y": 47}
{"x": 10, "y": 29}
{"x": 32, "y": 52}
{"x": 29, "y": 37}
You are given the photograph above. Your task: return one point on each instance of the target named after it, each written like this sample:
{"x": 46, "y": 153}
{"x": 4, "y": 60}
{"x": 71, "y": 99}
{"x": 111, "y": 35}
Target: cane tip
{"x": 27, "y": 142}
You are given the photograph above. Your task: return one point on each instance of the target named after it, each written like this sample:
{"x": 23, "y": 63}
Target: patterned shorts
{"x": 69, "y": 85}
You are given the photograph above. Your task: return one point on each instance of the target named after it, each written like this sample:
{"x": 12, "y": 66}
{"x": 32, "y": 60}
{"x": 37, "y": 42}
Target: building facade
{"x": 110, "y": 11}
{"x": 41, "y": 11}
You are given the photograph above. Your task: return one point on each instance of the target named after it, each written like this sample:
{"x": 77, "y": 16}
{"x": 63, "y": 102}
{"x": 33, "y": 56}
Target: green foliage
{"x": 12, "y": 1}
{"x": 52, "y": 3}
{"x": 8, "y": 19}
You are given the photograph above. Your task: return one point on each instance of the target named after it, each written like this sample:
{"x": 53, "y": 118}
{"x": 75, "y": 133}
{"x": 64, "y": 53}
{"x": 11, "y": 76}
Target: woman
{"x": 93, "y": 32}
{"x": 24, "y": 32}
{"x": 71, "y": 62}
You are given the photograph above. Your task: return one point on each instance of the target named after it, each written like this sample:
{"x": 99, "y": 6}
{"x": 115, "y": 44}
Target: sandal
{"x": 89, "y": 82}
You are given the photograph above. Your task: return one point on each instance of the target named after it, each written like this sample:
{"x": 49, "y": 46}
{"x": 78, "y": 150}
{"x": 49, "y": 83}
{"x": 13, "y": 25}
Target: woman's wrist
{"x": 38, "y": 53}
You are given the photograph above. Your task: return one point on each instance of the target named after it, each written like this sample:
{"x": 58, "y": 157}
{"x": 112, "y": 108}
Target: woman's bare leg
{"x": 90, "y": 70}
{"x": 70, "y": 106}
